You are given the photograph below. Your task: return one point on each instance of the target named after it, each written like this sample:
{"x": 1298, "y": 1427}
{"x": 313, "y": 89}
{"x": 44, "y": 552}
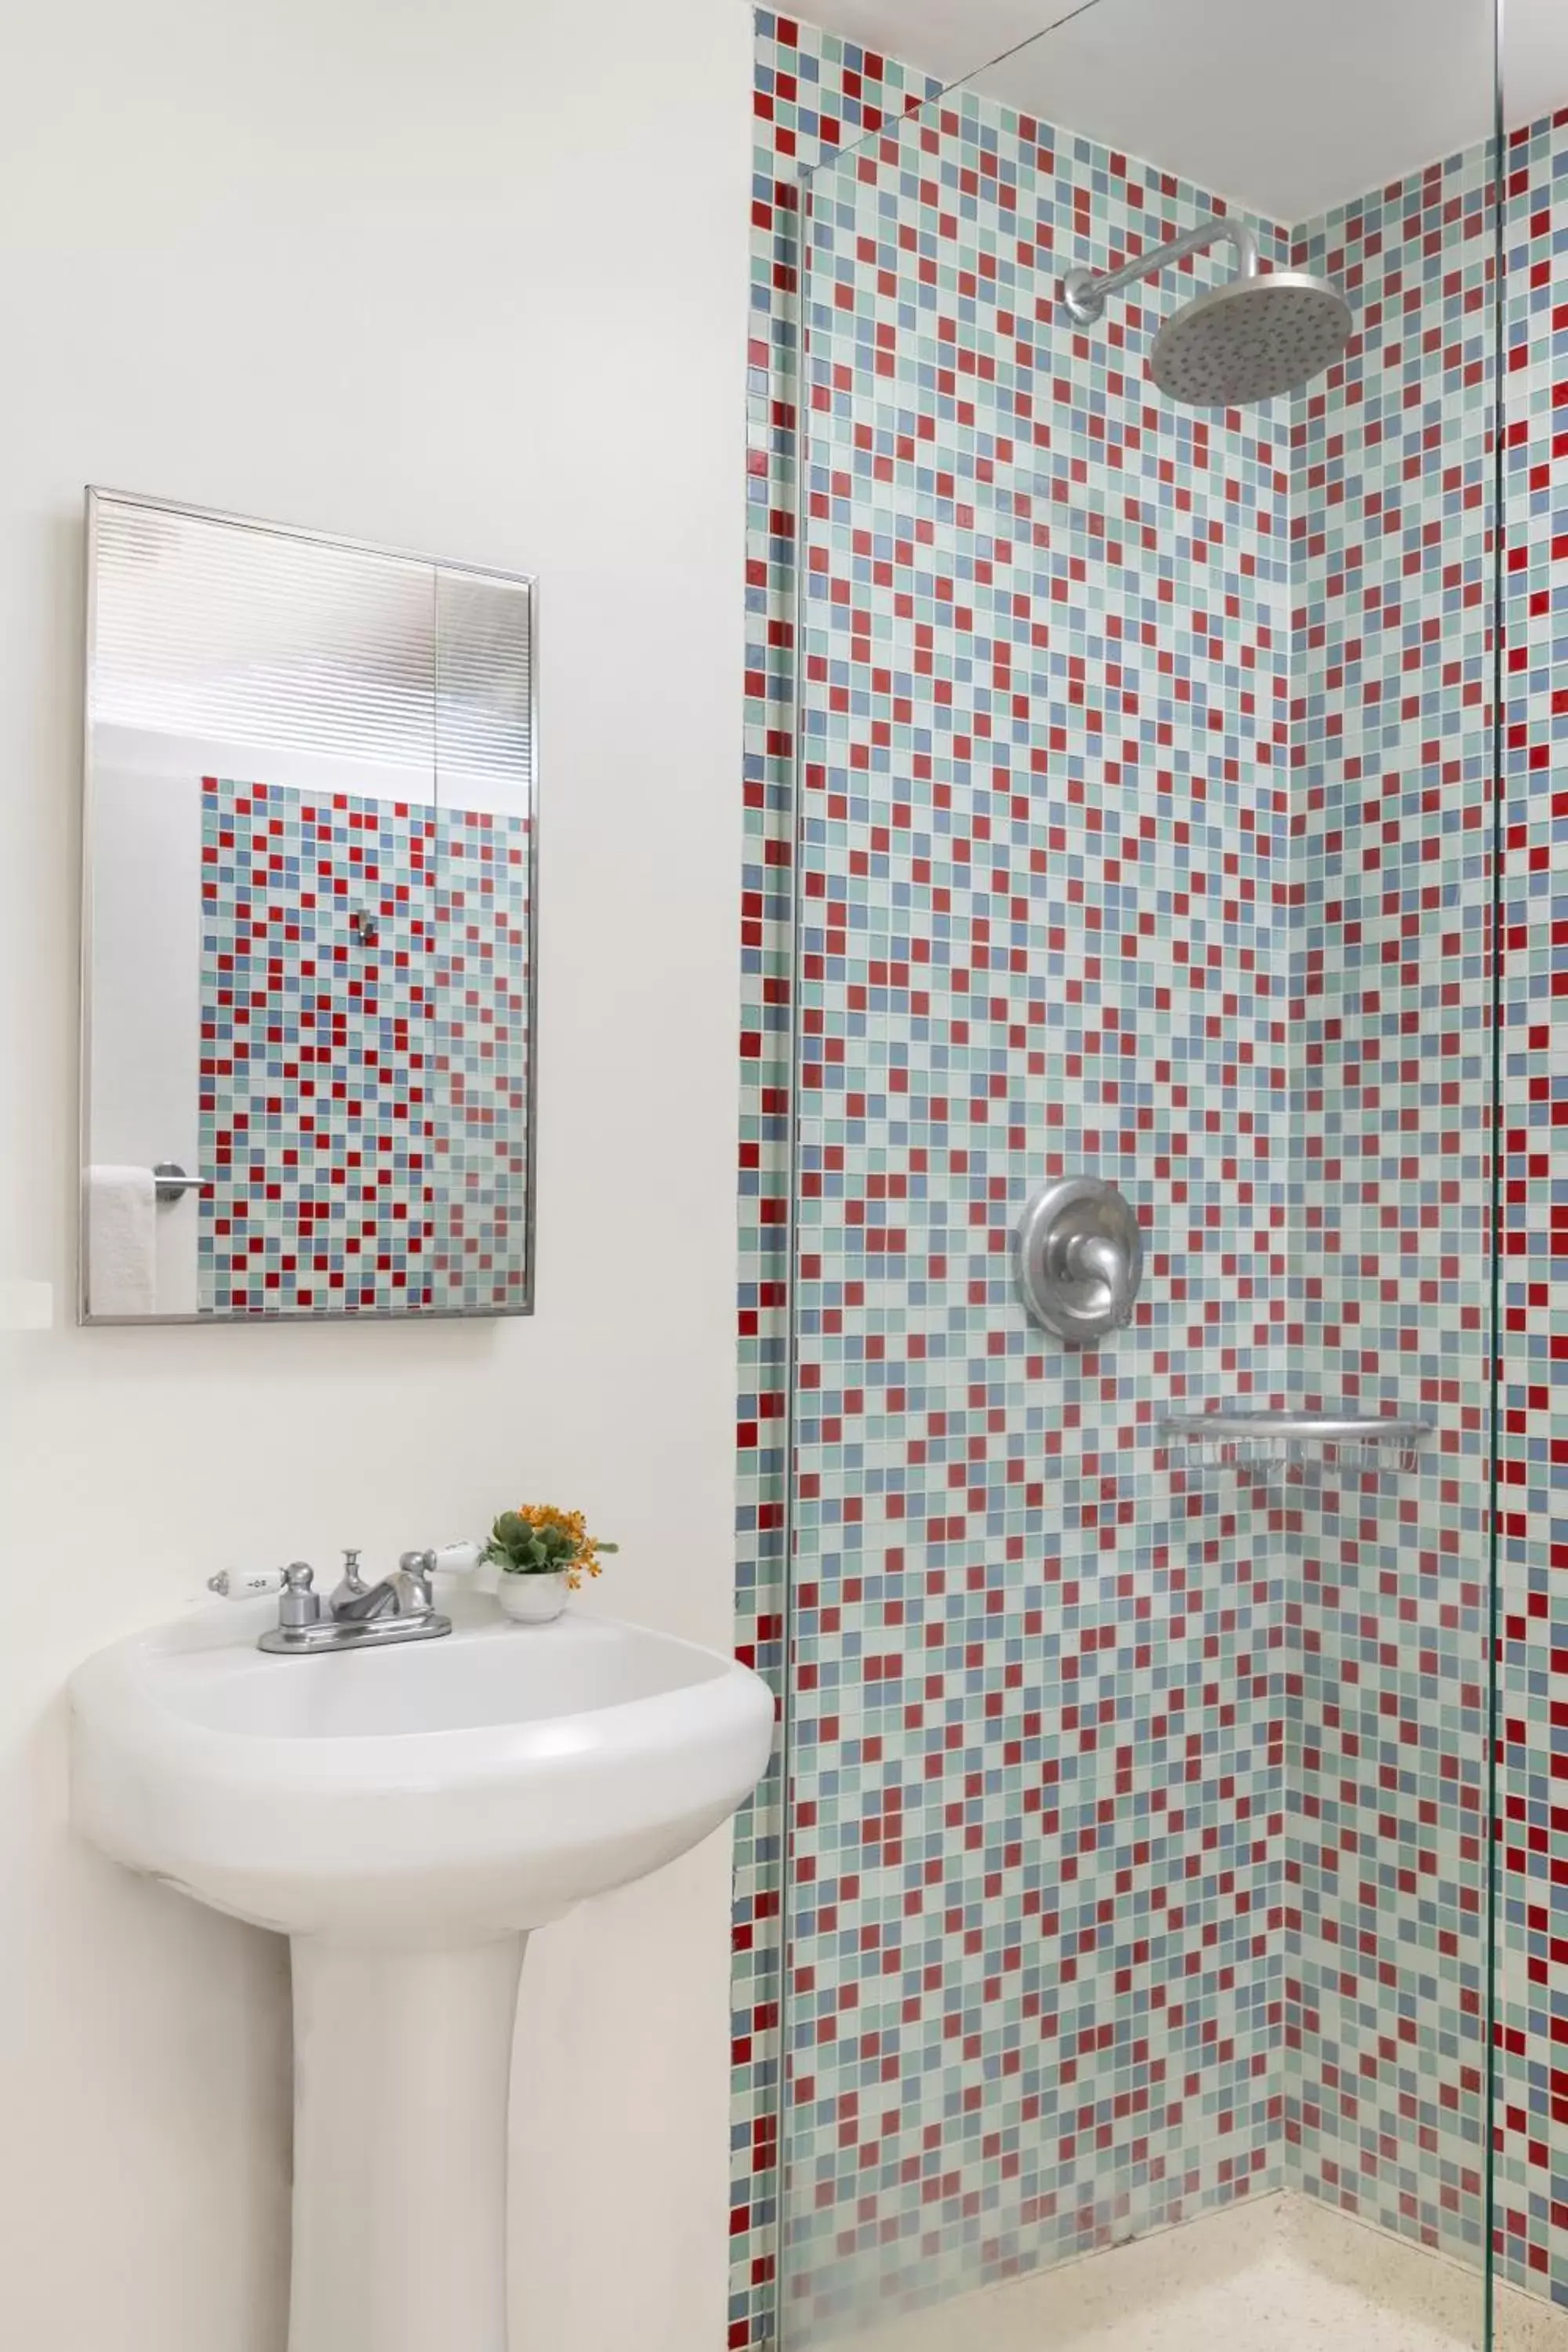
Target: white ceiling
{"x": 1287, "y": 106}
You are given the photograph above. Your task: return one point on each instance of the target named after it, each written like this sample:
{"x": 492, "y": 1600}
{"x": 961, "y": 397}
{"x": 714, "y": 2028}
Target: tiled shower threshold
{"x": 1279, "y": 2273}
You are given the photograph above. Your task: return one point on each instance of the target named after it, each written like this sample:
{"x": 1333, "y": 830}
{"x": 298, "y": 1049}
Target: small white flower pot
{"x": 532, "y": 1600}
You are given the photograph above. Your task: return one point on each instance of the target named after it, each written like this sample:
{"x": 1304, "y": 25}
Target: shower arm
{"x": 1084, "y": 291}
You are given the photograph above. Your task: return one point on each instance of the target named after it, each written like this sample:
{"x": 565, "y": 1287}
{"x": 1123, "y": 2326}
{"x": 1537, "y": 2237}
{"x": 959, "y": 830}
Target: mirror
{"x": 309, "y": 899}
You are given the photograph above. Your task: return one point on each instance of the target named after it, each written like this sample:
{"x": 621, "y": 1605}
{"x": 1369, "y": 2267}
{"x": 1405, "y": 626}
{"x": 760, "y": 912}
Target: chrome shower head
{"x": 1250, "y": 339}
{"x": 1266, "y": 332}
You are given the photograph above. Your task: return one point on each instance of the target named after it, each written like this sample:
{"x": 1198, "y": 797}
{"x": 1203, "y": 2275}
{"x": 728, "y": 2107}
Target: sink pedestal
{"x": 404, "y": 1819}
{"x": 402, "y": 2071}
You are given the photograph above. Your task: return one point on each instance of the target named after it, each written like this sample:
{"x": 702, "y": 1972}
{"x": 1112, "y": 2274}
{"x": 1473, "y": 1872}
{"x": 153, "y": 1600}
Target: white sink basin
{"x": 406, "y": 1816}
{"x": 443, "y": 1791}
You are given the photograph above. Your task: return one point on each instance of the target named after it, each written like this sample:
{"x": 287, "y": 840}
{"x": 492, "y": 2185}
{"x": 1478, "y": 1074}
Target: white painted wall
{"x": 468, "y": 279}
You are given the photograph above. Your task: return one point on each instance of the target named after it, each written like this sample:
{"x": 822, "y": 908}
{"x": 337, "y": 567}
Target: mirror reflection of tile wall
{"x": 309, "y": 847}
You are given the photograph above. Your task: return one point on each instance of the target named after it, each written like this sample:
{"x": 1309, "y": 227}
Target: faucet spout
{"x": 363, "y": 1607}
{"x": 355, "y": 1603}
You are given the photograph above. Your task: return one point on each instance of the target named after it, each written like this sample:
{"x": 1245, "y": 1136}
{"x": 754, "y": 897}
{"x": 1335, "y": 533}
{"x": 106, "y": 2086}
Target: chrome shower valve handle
{"x": 1081, "y": 1259}
{"x": 1089, "y": 1258}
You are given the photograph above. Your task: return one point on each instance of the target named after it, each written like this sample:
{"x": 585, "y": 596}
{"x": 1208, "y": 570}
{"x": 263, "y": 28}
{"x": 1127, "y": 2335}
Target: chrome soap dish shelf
{"x": 1295, "y": 1443}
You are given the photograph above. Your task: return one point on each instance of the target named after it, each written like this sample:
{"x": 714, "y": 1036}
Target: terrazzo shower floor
{"x": 1283, "y": 2275}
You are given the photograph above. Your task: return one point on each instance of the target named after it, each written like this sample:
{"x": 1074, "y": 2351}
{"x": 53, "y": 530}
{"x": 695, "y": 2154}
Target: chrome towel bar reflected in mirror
{"x": 172, "y": 1183}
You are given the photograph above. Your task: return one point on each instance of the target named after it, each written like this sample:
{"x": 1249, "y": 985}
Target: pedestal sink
{"x": 406, "y": 1817}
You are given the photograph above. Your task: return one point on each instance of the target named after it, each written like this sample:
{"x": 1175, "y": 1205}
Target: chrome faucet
{"x": 399, "y": 1608}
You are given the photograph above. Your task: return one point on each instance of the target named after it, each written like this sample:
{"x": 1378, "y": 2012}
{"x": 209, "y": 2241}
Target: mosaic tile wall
{"x": 948, "y": 1012}
{"x": 813, "y": 95}
{"x": 1048, "y": 926}
{"x": 364, "y": 1101}
{"x": 1532, "y": 2121}
{"x": 1045, "y": 813}
{"x": 1393, "y": 502}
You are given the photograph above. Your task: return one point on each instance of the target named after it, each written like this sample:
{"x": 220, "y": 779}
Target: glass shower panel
{"x": 1136, "y": 1788}
{"x": 1530, "y": 2114}
{"x": 1388, "y": 1583}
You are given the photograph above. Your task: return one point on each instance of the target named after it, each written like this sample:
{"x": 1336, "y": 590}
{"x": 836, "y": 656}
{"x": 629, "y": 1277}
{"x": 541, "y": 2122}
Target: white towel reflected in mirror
{"x": 121, "y": 1242}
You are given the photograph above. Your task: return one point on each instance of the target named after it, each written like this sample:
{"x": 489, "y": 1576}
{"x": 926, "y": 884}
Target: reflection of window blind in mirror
{"x": 484, "y": 721}
{"x": 221, "y": 630}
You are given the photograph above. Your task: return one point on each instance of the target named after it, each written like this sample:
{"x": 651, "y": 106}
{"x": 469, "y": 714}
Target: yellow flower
{"x": 546, "y": 1515}
{"x": 585, "y": 1557}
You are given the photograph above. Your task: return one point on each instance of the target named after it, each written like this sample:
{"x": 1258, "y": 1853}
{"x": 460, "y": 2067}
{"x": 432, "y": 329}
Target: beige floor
{"x": 1283, "y": 2275}
{"x": 1278, "y": 2304}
